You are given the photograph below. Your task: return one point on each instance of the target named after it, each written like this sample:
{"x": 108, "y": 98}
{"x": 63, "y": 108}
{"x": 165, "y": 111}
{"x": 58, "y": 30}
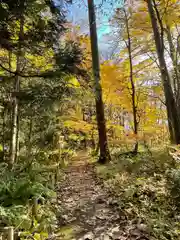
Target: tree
{"x": 21, "y": 30}
{"x": 172, "y": 111}
{"x": 131, "y": 76}
{"x": 32, "y": 49}
{"x": 103, "y": 144}
{"x": 122, "y": 22}
{"x": 169, "y": 10}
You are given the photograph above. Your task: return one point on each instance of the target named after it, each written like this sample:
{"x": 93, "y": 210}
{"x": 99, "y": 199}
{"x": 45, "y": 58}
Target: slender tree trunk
{"x": 103, "y": 144}
{"x": 10, "y": 112}
{"x": 172, "y": 112}
{"x": 14, "y": 125}
{"x": 93, "y": 145}
{"x": 133, "y": 89}
{"x": 17, "y": 137}
{"x": 174, "y": 61}
{"x": 171, "y": 132}
{"x": 14, "y": 136}
{"x": 30, "y": 136}
{"x": 10, "y": 233}
{"x": 174, "y": 58}
{"x": 3, "y": 131}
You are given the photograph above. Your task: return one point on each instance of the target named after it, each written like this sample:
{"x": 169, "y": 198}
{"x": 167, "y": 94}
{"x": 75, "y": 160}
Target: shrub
{"x": 148, "y": 190}
{"x": 17, "y": 191}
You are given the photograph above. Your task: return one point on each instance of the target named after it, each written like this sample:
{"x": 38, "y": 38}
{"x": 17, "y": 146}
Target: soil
{"x": 88, "y": 210}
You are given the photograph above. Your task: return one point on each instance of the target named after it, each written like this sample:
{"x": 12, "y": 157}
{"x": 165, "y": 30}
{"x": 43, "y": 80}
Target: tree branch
{"x": 7, "y": 70}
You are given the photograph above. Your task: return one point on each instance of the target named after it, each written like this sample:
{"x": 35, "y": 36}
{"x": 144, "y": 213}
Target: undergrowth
{"x": 147, "y": 187}
{"x": 27, "y": 196}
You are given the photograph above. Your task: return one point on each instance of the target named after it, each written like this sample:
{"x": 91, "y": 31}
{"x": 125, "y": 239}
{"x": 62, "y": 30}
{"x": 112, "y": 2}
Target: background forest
{"x": 60, "y": 95}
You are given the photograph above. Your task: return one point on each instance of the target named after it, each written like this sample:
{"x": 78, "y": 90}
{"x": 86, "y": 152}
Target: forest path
{"x": 88, "y": 211}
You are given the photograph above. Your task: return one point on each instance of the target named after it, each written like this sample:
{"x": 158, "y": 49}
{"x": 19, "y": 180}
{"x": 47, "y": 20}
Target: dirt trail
{"x": 88, "y": 211}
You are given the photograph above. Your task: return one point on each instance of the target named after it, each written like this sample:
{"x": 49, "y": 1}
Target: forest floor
{"x": 89, "y": 211}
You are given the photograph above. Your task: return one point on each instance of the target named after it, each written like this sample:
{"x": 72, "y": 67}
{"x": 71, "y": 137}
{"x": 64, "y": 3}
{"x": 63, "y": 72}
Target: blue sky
{"x": 78, "y": 14}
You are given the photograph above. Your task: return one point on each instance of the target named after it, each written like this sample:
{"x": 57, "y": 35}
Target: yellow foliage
{"x": 78, "y": 125}
{"x": 72, "y": 81}
{"x": 42, "y": 63}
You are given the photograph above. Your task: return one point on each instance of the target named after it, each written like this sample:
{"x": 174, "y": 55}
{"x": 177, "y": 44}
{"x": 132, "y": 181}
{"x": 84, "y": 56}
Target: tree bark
{"x": 174, "y": 61}
{"x": 14, "y": 124}
{"x": 103, "y": 144}
{"x": 14, "y": 133}
{"x": 176, "y": 77}
{"x": 17, "y": 137}
{"x": 3, "y": 131}
{"x": 133, "y": 89}
{"x": 172, "y": 111}
{"x": 10, "y": 233}
{"x": 29, "y": 144}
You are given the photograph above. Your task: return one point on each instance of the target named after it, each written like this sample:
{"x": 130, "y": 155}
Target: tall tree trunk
{"x": 133, "y": 89}
{"x": 174, "y": 61}
{"x": 17, "y": 137}
{"x": 29, "y": 144}
{"x": 15, "y": 110}
{"x": 14, "y": 123}
{"x": 176, "y": 77}
{"x": 103, "y": 144}
{"x": 172, "y": 112}
{"x": 3, "y": 130}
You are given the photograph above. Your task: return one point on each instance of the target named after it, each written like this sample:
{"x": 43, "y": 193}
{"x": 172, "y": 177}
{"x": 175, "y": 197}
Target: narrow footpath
{"x": 89, "y": 212}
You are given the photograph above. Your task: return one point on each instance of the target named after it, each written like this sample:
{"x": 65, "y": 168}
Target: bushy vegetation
{"x": 147, "y": 191}
{"x": 26, "y": 197}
